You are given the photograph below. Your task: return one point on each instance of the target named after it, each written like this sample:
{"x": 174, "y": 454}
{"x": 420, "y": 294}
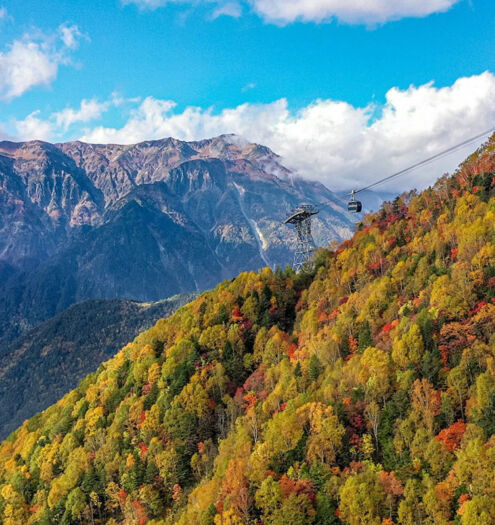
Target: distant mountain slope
{"x": 146, "y": 221}
{"x": 46, "y": 362}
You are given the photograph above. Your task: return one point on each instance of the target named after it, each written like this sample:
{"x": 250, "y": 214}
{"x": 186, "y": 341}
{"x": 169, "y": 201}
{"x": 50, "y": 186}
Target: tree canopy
{"x": 360, "y": 393}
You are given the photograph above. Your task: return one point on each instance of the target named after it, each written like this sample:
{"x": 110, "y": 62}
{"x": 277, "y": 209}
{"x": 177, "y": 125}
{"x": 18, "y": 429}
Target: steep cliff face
{"x": 144, "y": 222}
{"x": 44, "y": 195}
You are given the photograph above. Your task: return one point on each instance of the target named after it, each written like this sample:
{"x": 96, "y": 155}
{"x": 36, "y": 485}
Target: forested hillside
{"x": 38, "y": 368}
{"x": 363, "y": 393}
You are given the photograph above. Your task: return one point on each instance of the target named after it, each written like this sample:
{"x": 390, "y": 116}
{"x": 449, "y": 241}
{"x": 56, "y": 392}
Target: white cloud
{"x": 347, "y": 11}
{"x": 4, "y": 135}
{"x": 88, "y": 110}
{"x": 24, "y": 65}
{"x": 232, "y": 9}
{"x": 34, "y": 128}
{"x": 70, "y": 36}
{"x": 3, "y": 13}
{"x": 58, "y": 123}
{"x": 34, "y": 60}
{"x": 332, "y": 141}
{"x": 149, "y": 4}
{"x": 248, "y": 87}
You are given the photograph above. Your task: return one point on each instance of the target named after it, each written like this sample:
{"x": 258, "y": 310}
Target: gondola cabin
{"x": 354, "y": 206}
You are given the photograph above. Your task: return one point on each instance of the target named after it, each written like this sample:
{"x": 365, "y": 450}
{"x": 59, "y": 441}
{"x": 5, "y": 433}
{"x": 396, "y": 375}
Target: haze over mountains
{"x": 142, "y": 222}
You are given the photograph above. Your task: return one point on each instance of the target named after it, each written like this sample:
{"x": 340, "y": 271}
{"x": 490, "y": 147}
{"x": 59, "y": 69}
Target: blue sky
{"x": 281, "y": 73}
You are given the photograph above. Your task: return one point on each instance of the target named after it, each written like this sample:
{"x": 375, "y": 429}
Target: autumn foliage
{"x": 451, "y": 437}
{"x": 362, "y": 393}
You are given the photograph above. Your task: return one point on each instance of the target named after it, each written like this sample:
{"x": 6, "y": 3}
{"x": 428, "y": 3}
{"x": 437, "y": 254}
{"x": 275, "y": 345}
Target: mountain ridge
{"x": 179, "y": 216}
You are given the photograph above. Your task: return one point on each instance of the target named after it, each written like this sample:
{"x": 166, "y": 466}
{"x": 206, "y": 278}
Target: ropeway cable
{"x": 425, "y": 162}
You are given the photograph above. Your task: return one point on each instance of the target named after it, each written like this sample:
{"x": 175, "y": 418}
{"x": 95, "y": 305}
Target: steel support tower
{"x": 301, "y": 219}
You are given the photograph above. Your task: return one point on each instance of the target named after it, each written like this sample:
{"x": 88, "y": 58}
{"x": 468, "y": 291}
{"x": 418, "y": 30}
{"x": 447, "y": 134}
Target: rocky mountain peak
{"x": 144, "y": 221}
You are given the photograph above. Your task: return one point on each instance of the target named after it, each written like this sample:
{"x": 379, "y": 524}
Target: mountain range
{"x": 142, "y": 222}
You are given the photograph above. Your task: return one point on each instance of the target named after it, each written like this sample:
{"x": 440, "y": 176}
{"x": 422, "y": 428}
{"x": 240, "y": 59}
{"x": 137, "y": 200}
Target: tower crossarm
{"x": 305, "y": 246}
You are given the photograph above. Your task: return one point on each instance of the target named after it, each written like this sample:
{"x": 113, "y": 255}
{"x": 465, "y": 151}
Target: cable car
{"x": 353, "y": 205}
